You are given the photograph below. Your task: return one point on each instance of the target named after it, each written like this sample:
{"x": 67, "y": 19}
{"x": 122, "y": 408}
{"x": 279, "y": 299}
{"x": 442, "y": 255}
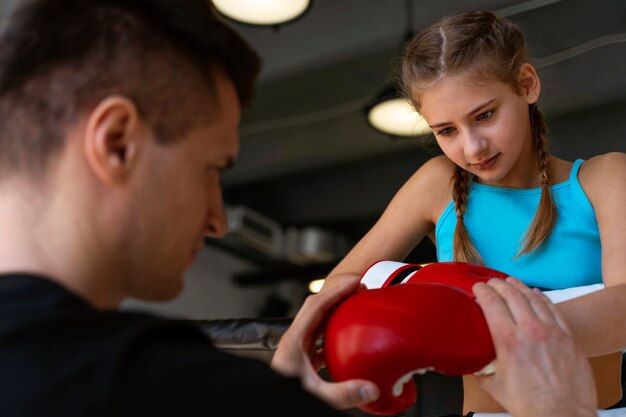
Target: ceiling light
{"x": 262, "y": 12}
{"x": 389, "y": 111}
{"x": 394, "y": 115}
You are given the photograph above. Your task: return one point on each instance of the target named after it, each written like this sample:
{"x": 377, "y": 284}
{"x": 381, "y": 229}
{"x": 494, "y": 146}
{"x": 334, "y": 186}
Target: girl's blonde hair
{"x": 481, "y": 45}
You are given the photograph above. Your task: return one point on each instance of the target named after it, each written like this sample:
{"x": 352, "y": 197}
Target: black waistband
{"x": 619, "y": 404}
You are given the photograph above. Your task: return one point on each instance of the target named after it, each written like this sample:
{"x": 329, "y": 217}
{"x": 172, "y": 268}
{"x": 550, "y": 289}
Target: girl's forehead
{"x": 459, "y": 94}
{"x": 461, "y": 87}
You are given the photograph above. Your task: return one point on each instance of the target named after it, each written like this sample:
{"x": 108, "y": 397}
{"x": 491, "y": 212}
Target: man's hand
{"x": 540, "y": 371}
{"x": 297, "y": 354}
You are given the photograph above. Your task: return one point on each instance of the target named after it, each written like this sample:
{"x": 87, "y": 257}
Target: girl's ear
{"x": 529, "y": 83}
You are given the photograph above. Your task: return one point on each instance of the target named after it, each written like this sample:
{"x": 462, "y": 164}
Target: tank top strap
{"x": 577, "y": 190}
{"x": 573, "y": 175}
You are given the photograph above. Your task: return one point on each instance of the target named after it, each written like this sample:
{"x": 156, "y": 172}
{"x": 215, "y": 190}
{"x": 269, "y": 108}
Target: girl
{"x": 497, "y": 197}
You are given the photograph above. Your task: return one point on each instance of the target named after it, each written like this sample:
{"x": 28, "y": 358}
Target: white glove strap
{"x": 618, "y": 412}
{"x": 558, "y": 296}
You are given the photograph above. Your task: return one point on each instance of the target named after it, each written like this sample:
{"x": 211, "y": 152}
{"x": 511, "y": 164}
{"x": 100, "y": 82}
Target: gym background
{"x": 313, "y": 175}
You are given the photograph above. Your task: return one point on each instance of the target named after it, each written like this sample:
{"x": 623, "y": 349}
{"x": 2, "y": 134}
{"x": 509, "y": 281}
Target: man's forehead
{"x": 220, "y": 100}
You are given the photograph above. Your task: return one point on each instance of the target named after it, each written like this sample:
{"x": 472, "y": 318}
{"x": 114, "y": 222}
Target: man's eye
{"x": 485, "y": 116}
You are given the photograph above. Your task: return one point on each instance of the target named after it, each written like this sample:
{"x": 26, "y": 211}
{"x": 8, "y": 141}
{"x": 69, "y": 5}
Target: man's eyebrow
{"x": 486, "y": 103}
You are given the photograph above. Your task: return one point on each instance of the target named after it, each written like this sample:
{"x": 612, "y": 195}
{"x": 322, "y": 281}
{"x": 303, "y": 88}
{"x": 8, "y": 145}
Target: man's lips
{"x": 195, "y": 251}
{"x": 489, "y": 163}
{"x": 192, "y": 256}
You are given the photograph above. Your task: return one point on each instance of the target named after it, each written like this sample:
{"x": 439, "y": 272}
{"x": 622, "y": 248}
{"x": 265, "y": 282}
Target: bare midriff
{"x": 606, "y": 371}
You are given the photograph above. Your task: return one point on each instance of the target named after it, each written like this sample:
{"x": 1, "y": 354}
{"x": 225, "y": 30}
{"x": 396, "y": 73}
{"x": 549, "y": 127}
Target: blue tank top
{"x": 497, "y": 218}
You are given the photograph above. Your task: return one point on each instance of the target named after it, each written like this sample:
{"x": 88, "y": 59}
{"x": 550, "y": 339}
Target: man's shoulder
{"x": 30, "y": 301}
{"x": 58, "y": 353}
{"x": 73, "y": 359}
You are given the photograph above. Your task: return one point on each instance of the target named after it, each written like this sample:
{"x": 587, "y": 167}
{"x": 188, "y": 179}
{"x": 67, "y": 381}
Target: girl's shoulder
{"x": 612, "y": 163}
{"x": 437, "y": 169}
{"x": 433, "y": 182}
{"x": 603, "y": 173}
{"x": 435, "y": 174}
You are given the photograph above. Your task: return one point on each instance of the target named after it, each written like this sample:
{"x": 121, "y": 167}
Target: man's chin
{"x": 161, "y": 292}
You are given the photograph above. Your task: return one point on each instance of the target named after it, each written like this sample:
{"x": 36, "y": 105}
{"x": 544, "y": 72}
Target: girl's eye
{"x": 485, "y": 116}
{"x": 446, "y": 132}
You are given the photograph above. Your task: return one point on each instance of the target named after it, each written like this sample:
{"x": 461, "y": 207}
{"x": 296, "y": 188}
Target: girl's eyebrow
{"x": 486, "y": 103}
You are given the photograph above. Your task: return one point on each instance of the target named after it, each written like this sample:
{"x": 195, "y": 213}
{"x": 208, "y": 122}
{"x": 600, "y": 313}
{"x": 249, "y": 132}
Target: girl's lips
{"x": 489, "y": 163}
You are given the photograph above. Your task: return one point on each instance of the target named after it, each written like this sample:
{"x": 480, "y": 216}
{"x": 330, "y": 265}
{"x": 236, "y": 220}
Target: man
{"x": 116, "y": 119}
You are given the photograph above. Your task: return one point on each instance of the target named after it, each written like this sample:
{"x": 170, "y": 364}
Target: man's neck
{"x": 43, "y": 238}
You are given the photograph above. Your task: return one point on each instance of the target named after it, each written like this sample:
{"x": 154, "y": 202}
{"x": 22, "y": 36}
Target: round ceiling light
{"x": 397, "y": 117}
{"x": 262, "y": 12}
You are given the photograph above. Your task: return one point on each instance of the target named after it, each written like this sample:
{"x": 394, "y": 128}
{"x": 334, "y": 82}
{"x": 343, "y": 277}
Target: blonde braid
{"x": 464, "y": 250}
{"x": 545, "y": 217}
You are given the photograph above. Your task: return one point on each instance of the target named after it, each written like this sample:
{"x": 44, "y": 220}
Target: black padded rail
{"x": 245, "y": 333}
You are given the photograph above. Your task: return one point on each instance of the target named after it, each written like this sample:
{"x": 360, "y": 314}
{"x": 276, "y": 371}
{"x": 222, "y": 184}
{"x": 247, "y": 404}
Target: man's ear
{"x": 111, "y": 139}
{"x": 529, "y": 82}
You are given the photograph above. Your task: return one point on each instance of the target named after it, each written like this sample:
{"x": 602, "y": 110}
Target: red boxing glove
{"x": 386, "y": 335}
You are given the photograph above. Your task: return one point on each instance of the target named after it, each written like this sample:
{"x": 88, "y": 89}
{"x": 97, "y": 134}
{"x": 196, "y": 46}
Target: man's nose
{"x": 216, "y": 223}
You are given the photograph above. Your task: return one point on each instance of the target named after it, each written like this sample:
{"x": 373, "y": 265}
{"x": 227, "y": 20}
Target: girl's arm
{"x": 598, "y": 320}
{"x": 410, "y": 216}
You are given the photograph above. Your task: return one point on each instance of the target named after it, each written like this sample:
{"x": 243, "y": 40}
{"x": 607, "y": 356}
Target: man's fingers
{"x": 348, "y": 394}
{"x": 516, "y": 301}
{"x": 560, "y": 320}
{"x": 492, "y": 303}
{"x": 539, "y": 303}
{"x": 497, "y": 314}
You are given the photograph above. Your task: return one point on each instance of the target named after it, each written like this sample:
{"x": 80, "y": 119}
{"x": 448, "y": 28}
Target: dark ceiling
{"x": 308, "y": 156}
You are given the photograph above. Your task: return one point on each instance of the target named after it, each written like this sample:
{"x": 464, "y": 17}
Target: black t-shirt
{"x": 60, "y": 357}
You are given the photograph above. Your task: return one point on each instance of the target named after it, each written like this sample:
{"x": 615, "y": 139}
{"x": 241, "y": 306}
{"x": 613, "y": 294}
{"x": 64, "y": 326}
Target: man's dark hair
{"x": 60, "y": 58}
